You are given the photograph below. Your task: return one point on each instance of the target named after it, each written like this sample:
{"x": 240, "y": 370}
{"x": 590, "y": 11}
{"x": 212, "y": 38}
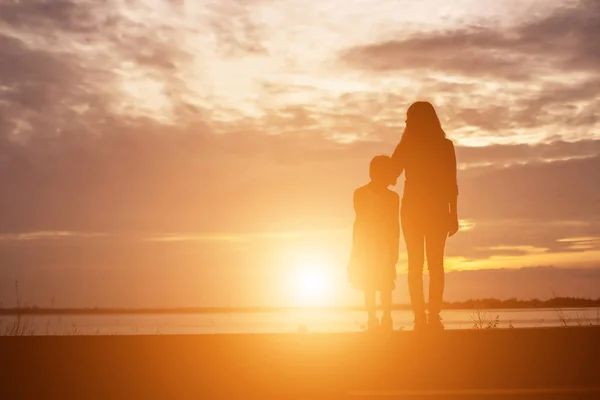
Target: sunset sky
{"x": 202, "y": 152}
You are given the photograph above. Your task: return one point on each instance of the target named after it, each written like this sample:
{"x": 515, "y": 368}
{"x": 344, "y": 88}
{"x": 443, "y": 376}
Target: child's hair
{"x": 380, "y": 167}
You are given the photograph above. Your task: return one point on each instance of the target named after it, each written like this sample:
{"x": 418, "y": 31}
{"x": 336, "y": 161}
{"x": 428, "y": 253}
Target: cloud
{"x": 560, "y": 190}
{"x": 236, "y": 31}
{"x": 539, "y": 76}
{"x": 64, "y": 15}
{"x": 46, "y": 236}
{"x": 509, "y": 53}
{"x": 541, "y": 283}
{"x": 503, "y": 155}
{"x": 582, "y": 243}
{"x": 124, "y": 59}
{"x": 27, "y": 89}
{"x": 242, "y": 237}
{"x": 525, "y": 237}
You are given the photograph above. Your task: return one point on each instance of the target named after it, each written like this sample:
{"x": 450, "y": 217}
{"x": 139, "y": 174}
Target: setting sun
{"x": 311, "y": 280}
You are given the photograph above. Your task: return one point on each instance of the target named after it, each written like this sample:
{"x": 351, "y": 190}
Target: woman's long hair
{"x": 423, "y": 126}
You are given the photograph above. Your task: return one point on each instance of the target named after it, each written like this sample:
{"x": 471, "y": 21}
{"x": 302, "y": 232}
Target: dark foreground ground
{"x": 557, "y": 363}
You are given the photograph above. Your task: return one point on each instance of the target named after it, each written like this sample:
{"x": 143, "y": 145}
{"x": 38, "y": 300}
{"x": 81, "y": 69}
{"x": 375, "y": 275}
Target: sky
{"x": 168, "y": 153}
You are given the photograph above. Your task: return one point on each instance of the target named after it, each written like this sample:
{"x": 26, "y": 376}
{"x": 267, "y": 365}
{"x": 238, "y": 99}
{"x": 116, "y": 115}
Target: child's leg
{"x": 370, "y": 306}
{"x": 386, "y": 302}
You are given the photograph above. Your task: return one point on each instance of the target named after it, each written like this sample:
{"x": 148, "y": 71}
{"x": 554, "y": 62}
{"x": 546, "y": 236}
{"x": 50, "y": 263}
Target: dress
{"x": 375, "y": 239}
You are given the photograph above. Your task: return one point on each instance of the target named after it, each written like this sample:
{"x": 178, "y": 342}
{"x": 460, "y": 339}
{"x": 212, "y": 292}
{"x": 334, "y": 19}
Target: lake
{"x": 283, "y": 322}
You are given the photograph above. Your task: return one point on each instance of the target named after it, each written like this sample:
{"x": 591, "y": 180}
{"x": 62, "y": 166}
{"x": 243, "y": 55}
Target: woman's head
{"x": 422, "y": 123}
{"x": 381, "y": 171}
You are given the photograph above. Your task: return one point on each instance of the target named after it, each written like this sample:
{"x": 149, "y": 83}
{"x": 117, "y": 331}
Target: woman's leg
{"x": 386, "y": 302}
{"x": 414, "y": 238}
{"x": 435, "y": 245}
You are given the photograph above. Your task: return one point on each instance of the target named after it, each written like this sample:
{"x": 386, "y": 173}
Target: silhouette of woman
{"x": 429, "y": 206}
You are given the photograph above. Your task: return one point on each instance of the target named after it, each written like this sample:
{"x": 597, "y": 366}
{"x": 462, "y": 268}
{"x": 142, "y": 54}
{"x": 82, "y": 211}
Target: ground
{"x": 544, "y": 363}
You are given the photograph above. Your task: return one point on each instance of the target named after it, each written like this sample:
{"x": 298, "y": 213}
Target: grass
{"x": 20, "y": 326}
{"x": 579, "y": 320}
{"x": 483, "y": 320}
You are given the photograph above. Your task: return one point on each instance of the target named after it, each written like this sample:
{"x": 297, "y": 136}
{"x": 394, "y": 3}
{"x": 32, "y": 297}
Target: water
{"x": 282, "y": 322}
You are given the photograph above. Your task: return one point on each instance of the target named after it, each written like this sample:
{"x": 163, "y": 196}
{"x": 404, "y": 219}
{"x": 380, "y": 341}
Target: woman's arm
{"x": 399, "y": 160}
{"x": 395, "y": 234}
{"x": 356, "y": 225}
{"x": 356, "y": 228}
{"x": 453, "y": 193}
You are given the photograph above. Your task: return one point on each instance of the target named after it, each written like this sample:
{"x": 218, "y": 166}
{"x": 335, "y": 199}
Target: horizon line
{"x": 471, "y": 304}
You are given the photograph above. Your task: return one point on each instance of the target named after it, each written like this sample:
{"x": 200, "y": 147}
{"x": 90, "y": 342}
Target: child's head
{"x": 381, "y": 171}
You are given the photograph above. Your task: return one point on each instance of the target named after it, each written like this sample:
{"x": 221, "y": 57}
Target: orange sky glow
{"x": 195, "y": 152}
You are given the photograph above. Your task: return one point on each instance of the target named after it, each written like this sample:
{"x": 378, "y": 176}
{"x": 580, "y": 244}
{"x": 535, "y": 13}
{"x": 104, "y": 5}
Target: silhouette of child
{"x": 375, "y": 240}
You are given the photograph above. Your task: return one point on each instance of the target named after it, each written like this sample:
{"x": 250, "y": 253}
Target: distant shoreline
{"x": 484, "y": 304}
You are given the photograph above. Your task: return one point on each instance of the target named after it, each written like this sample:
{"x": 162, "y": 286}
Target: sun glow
{"x": 311, "y": 280}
